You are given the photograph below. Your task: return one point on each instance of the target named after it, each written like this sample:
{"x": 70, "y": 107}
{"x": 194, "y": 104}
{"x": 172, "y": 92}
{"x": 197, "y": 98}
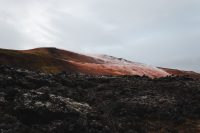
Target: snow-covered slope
{"x": 125, "y": 67}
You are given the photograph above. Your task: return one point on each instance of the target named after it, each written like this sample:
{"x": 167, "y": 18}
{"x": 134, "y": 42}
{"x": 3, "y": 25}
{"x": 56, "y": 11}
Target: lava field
{"x": 35, "y": 102}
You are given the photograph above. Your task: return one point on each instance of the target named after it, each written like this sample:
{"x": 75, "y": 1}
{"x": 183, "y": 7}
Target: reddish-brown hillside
{"x": 62, "y": 54}
{"x": 53, "y": 60}
{"x": 34, "y": 62}
{"x": 176, "y": 72}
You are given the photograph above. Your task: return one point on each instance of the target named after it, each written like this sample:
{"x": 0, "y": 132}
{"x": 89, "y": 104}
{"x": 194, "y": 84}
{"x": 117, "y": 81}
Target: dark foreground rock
{"x": 33, "y": 102}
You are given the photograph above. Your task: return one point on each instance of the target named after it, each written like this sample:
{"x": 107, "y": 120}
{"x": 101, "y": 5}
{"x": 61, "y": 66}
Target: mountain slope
{"x": 62, "y": 54}
{"x": 176, "y": 72}
{"x": 53, "y": 60}
{"x": 125, "y": 67}
{"x": 34, "y": 62}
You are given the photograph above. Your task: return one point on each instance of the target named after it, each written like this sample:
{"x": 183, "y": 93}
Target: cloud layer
{"x": 157, "y": 32}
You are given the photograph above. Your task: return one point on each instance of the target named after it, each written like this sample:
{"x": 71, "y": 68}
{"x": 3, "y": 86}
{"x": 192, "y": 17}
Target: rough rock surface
{"x": 34, "y": 102}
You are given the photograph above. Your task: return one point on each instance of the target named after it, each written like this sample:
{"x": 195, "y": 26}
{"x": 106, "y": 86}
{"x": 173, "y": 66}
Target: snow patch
{"x": 130, "y": 67}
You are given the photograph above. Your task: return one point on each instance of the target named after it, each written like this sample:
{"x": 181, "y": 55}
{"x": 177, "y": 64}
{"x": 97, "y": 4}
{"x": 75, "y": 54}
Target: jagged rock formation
{"x": 34, "y": 102}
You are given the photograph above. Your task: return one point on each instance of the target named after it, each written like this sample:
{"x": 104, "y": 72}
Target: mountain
{"x": 53, "y": 60}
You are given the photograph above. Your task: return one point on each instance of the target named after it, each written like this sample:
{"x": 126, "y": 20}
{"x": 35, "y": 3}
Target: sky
{"x": 156, "y": 32}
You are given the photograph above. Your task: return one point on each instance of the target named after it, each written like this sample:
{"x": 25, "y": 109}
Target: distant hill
{"x": 176, "y": 72}
{"x": 53, "y": 60}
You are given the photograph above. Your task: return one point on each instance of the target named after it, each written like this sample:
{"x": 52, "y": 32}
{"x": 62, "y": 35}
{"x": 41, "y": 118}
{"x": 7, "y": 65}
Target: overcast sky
{"x": 156, "y": 32}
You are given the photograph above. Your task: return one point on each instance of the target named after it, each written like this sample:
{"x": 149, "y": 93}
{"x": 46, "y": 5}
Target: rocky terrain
{"x": 35, "y": 102}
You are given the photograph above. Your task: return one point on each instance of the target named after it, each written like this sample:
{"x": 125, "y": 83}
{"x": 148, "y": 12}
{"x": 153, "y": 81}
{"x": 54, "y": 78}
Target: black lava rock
{"x": 34, "y": 102}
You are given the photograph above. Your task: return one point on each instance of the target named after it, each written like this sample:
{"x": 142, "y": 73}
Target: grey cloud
{"x": 10, "y": 37}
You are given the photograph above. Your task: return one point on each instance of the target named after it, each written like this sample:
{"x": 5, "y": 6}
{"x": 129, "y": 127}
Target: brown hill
{"x": 34, "y": 61}
{"x": 176, "y": 72}
{"x": 62, "y": 54}
{"x": 53, "y": 60}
